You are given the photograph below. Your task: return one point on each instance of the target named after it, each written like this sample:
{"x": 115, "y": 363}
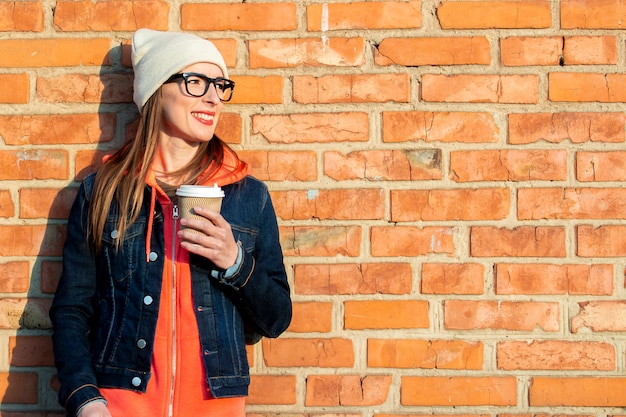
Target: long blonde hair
{"x": 122, "y": 178}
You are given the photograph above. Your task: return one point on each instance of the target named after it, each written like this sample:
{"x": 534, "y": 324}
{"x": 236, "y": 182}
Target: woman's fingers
{"x": 211, "y": 238}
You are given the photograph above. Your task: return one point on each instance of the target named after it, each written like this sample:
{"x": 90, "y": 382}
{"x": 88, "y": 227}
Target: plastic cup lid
{"x": 200, "y": 191}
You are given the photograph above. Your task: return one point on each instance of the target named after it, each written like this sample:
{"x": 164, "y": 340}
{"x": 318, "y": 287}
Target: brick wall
{"x": 447, "y": 175}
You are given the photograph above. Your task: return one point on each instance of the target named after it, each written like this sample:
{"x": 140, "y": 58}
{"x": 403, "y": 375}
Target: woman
{"x": 151, "y": 319}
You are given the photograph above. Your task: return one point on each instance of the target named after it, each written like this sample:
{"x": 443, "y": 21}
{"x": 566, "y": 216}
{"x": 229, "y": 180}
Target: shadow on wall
{"x": 32, "y": 385}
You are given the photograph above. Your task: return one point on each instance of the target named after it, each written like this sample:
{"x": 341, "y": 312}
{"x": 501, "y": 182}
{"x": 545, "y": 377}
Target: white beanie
{"x": 158, "y": 55}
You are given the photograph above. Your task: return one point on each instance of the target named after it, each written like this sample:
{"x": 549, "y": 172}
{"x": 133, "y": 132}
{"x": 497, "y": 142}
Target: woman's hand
{"x": 94, "y": 409}
{"x": 215, "y": 242}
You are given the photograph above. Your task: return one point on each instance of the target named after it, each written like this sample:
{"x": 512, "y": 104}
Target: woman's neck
{"x": 170, "y": 158}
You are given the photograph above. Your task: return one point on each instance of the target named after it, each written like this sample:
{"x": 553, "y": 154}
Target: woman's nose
{"x": 211, "y": 94}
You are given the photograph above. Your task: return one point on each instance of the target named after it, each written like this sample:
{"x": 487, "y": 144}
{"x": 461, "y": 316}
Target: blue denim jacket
{"x": 105, "y": 309}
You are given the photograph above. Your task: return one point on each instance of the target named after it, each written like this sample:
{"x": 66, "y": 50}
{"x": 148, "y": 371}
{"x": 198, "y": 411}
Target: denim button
{"x": 153, "y": 256}
{"x": 141, "y": 343}
{"x": 114, "y": 234}
{"x": 147, "y": 300}
{"x": 136, "y": 381}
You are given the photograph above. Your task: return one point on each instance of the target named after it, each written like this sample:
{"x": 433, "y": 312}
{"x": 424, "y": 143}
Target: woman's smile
{"x": 204, "y": 117}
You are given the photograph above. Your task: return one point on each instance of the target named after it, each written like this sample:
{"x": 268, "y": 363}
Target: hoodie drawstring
{"x": 150, "y": 222}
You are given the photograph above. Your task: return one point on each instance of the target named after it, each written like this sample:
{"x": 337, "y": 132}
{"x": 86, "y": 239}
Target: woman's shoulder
{"x": 87, "y": 184}
{"x": 249, "y": 189}
{"x": 249, "y": 184}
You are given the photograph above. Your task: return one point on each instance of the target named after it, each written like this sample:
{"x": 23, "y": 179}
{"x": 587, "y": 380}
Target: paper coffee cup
{"x": 190, "y": 196}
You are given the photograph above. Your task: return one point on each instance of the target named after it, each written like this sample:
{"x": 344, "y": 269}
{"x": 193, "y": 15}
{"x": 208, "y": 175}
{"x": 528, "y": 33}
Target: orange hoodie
{"x": 178, "y": 387}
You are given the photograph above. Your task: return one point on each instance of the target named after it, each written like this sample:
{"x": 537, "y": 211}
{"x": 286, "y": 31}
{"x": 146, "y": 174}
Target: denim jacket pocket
{"x": 122, "y": 260}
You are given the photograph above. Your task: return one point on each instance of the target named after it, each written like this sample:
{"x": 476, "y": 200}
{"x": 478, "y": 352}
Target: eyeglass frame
{"x": 185, "y": 75}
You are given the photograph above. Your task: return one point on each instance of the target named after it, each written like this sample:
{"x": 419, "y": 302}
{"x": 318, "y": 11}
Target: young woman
{"x": 151, "y": 319}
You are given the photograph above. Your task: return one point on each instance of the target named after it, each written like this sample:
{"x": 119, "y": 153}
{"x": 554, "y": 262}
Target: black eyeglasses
{"x": 198, "y": 84}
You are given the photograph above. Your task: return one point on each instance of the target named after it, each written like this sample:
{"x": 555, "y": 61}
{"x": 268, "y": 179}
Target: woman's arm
{"x": 257, "y": 278}
{"x": 72, "y": 312}
{"x": 261, "y": 281}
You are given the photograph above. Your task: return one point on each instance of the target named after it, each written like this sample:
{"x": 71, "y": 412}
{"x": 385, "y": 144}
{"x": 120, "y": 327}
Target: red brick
{"x": 7, "y": 208}
{"x": 590, "y": 50}
{"x": 50, "y": 274}
{"x": 312, "y": 127}
{"x": 413, "y": 52}
{"x": 571, "y": 203}
{"x": 228, "y": 48}
{"x": 272, "y": 389}
{"x": 600, "y": 316}
{"x": 424, "y": 354}
{"x": 58, "y": 52}
{"x": 428, "y": 205}
{"x": 449, "y": 127}
{"x": 111, "y": 15}
{"x": 272, "y": 414}
{"x": 18, "y": 387}
{"x": 522, "y": 51}
{"x": 354, "y": 88}
{"x": 318, "y": 352}
{"x": 57, "y": 129}
{"x": 21, "y": 16}
{"x": 281, "y": 165}
{"x": 575, "y": 127}
{"x": 86, "y": 162}
{"x": 80, "y": 88}
{"x": 601, "y": 166}
{"x": 30, "y": 351}
{"x": 523, "y": 241}
{"x": 463, "y": 278}
{"x": 602, "y": 241}
{"x": 346, "y": 390}
{"x": 311, "y": 317}
{"x": 530, "y": 14}
{"x": 502, "y": 315}
{"x": 341, "y": 204}
{"x": 229, "y": 128}
{"x": 592, "y": 87}
{"x": 46, "y": 202}
{"x": 364, "y": 15}
{"x": 391, "y": 165}
{"x": 31, "y": 240}
{"x": 578, "y": 391}
{"x": 573, "y": 279}
{"x": 31, "y": 164}
{"x": 55, "y": 385}
{"x": 320, "y": 240}
{"x": 557, "y": 355}
{"x": 508, "y": 165}
{"x": 593, "y": 14}
{"x": 25, "y": 313}
{"x": 14, "y": 276}
{"x": 411, "y": 240}
{"x": 458, "y": 391}
{"x": 479, "y": 88}
{"x": 257, "y": 90}
{"x": 379, "y": 314}
{"x": 310, "y": 52}
{"x": 239, "y": 16}
{"x": 349, "y": 279}
{"x": 455, "y": 415}
{"x": 14, "y": 88}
